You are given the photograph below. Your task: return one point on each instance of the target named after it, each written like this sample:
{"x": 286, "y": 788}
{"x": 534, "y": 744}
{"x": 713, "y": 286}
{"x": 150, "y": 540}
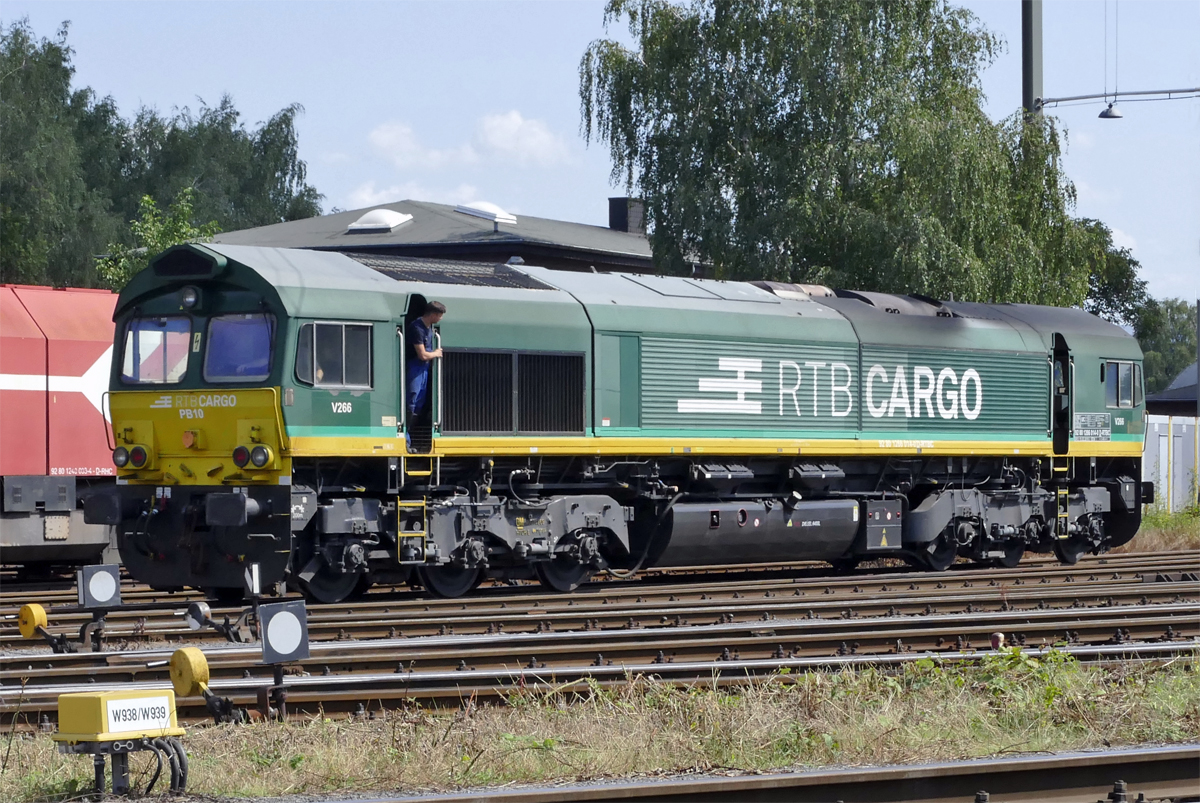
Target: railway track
{"x": 61, "y": 591}
{"x": 1103, "y": 582}
{"x": 720, "y": 632}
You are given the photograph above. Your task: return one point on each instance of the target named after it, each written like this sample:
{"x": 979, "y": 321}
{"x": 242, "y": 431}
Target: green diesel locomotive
{"x": 578, "y": 423}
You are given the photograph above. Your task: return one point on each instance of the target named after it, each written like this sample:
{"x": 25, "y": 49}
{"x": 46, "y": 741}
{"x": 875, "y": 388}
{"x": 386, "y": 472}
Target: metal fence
{"x": 1171, "y": 460}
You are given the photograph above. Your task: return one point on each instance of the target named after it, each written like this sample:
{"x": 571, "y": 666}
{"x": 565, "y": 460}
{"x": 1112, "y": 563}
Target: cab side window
{"x": 1122, "y": 384}
{"x": 334, "y": 355}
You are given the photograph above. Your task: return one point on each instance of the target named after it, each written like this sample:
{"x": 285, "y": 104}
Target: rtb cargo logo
{"x": 827, "y": 388}
{"x": 192, "y": 405}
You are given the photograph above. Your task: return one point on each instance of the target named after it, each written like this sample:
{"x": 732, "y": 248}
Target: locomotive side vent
{"x": 479, "y": 393}
{"x": 550, "y": 393}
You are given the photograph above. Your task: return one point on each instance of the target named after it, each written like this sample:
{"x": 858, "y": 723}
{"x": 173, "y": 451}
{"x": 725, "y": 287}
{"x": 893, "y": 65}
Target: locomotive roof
{"x": 376, "y": 287}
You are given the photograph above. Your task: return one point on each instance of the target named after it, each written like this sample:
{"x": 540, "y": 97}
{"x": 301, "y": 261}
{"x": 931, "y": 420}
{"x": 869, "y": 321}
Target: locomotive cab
{"x": 198, "y": 439}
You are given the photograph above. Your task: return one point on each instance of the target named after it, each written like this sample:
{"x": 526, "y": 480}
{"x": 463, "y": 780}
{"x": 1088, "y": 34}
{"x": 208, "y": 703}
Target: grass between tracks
{"x": 1005, "y": 703}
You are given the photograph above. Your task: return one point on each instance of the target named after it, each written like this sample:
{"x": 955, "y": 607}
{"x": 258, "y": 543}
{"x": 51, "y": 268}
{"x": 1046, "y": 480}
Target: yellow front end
{"x": 207, "y": 437}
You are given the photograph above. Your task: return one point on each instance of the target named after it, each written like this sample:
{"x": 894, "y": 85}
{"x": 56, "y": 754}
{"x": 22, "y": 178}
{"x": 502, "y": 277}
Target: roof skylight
{"x": 378, "y": 220}
{"x": 487, "y": 211}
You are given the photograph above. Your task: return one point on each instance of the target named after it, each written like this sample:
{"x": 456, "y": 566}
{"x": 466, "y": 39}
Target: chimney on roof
{"x": 627, "y": 214}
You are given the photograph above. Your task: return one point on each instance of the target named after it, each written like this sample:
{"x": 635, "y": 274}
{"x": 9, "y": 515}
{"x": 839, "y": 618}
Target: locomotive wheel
{"x": 327, "y": 587}
{"x": 449, "y": 582}
{"x": 940, "y": 555}
{"x": 1013, "y": 551}
{"x": 1069, "y": 551}
{"x": 562, "y": 576}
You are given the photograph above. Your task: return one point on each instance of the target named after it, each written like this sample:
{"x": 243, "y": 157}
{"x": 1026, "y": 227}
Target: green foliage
{"x": 50, "y": 218}
{"x": 833, "y": 141}
{"x": 1115, "y": 291}
{"x": 1186, "y": 520}
{"x": 519, "y": 741}
{"x": 1166, "y": 330}
{"x": 74, "y": 172}
{"x": 153, "y": 232}
{"x": 1007, "y": 672}
{"x": 242, "y": 178}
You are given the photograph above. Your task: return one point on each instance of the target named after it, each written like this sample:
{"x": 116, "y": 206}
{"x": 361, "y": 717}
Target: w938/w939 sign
{"x": 139, "y": 714}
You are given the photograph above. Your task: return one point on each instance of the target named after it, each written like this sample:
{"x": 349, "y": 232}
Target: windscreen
{"x": 239, "y": 348}
{"x": 156, "y": 350}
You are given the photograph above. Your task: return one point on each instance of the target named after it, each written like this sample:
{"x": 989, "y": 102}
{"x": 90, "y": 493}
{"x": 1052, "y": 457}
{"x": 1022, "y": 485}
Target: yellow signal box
{"x": 117, "y": 723}
{"x": 117, "y": 715}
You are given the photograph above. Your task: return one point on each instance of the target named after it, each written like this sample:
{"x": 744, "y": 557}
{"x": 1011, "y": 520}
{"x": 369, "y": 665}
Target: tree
{"x": 1166, "y": 330}
{"x": 153, "y": 232}
{"x": 243, "y": 178}
{"x": 50, "y": 220}
{"x": 1115, "y": 291}
{"x": 832, "y": 141}
{"x": 74, "y": 172}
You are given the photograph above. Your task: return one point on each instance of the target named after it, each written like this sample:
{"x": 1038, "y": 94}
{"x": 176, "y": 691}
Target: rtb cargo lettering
{"x": 916, "y": 392}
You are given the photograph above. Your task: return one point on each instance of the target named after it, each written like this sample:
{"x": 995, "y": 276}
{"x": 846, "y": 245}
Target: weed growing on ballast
{"x": 1001, "y": 703}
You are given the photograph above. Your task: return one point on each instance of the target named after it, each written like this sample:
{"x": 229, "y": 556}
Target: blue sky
{"x": 462, "y": 101}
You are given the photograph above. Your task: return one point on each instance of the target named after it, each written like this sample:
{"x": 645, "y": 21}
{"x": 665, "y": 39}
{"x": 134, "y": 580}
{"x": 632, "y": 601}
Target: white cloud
{"x": 511, "y": 136}
{"x": 397, "y": 142}
{"x": 335, "y": 157}
{"x": 1083, "y": 139}
{"x": 506, "y": 137}
{"x": 369, "y": 195}
{"x": 1123, "y": 240}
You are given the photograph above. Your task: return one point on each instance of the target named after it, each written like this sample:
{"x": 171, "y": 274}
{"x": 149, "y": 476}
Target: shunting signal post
{"x": 99, "y": 594}
{"x": 283, "y": 634}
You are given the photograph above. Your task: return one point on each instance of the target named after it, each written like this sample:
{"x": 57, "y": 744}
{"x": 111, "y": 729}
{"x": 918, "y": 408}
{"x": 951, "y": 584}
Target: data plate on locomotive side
{"x": 1093, "y": 427}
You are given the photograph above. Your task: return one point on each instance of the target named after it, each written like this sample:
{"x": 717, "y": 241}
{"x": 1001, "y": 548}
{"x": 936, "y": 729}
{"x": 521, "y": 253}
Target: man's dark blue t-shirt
{"x": 418, "y": 332}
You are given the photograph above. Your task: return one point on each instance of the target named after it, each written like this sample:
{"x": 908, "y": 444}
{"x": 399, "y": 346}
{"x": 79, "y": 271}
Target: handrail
{"x": 437, "y": 344}
{"x": 403, "y": 380}
{"x": 1071, "y": 405}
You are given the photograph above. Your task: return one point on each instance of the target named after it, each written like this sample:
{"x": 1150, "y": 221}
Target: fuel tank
{"x": 758, "y": 532}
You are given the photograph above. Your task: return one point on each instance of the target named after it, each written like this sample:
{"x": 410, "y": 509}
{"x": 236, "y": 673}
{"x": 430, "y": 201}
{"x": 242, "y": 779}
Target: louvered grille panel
{"x": 478, "y": 389}
{"x": 448, "y": 271}
{"x": 550, "y": 397}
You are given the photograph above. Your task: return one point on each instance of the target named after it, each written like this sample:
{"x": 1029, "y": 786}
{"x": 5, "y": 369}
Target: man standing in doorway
{"x": 421, "y": 354}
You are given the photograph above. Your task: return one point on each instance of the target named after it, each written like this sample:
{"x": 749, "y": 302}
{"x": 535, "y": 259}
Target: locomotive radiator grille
{"x": 550, "y": 395}
{"x": 510, "y": 392}
{"x": 479, "y": 391}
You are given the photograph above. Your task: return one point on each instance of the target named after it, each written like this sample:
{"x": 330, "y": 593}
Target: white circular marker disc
{"x": 284, "y": 632}
{"x": 102, "y": 586}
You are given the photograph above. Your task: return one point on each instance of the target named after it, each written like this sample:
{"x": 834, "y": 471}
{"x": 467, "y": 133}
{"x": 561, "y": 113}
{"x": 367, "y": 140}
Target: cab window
{"x": 334, "y": 355}
{"x": 239, "y": 348}
{"x": 156, "y": 350}
{"x": 1122, "y": 384}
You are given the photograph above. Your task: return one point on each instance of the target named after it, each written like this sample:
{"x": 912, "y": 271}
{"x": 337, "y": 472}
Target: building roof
{"x": 440, "y": 230}
{"x": 1179, "y": 398}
